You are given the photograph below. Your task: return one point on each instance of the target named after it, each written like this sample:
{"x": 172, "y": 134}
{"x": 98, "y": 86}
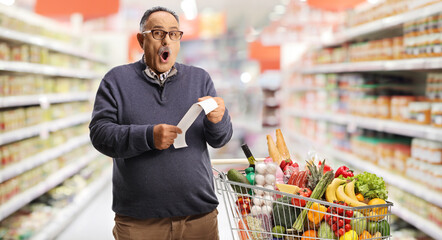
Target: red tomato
{"x": 334, "y": 227}
{"x": 347, "y": 227}
{"x": 341, "y": 232}
{"x": 349, "y": 213}
{"x": 341, "y": 222}
{"x": 330, "y": 221}
{"x": 305, "y": 192}
{"x": 327, "y": 217}
{"x": 340, "y": 211}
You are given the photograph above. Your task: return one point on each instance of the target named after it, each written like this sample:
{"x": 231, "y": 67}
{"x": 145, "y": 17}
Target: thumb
{"x": 178, "y": 130}
{"x": 203, "y": 98}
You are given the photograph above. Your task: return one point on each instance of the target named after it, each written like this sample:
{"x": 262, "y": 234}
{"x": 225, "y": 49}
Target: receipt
{"x": 190, "y": 117}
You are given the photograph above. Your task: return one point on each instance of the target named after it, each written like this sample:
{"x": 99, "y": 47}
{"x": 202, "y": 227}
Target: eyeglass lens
{"x": 160, "y": 34}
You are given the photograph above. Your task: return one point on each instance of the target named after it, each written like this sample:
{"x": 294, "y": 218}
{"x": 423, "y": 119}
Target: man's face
{"x": 160, "y": 55}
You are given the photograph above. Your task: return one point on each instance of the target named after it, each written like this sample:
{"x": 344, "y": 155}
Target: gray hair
{"x": 156, "y": 9}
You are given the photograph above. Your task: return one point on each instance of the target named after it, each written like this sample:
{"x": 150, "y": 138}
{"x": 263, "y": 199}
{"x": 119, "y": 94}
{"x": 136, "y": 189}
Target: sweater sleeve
{"x": 113, "y": 139}
{"x": 217, "y": 134}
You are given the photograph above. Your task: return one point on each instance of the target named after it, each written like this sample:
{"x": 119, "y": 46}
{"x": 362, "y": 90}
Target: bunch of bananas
{"x": 340, "y": 190}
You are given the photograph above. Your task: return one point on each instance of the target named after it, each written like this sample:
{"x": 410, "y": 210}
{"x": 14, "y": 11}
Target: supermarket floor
{"x": 96, "y": 221}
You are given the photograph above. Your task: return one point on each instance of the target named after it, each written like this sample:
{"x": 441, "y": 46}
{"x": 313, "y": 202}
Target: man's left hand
{"x": 217, "y": 114}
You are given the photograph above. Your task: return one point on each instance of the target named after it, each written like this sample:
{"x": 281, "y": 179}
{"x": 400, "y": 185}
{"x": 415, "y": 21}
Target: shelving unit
{"x": 37, "y": 160}
{"x": 41, "y": 99}
{"x": 375, "y": 66}
{"x": 77, "y": 64}
{"x": 67, "y": 214}
{"x": 406, "y": 129}
{"x": 54, "y": 45}
{"x": 369, "y": 31}
{"x": 34, "y": 68}
{"x": 24, "y": 198}
{"x": 419, "y": 222}
{"x": 43, "y": 128}
{"x": 381, "y": 25}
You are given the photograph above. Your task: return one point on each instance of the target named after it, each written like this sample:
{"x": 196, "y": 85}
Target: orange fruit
{"x": 365, "y": 235}
{"x": 360, "y": 197}
{"x": 309, "y": 233}
{"x": 379, "y": 210}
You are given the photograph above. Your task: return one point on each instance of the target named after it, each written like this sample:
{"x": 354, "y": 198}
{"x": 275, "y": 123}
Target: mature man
{"x": 159, "y": 191}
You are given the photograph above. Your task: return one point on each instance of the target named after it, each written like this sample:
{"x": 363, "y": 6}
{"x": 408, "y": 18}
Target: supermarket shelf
{"x": 48, "y": 43}
{"x": 389, "y": 177}
{"x": 382, "y": 24}
{"x": 50, "y": 182}
{"x": 44, "y": 128}
{"x": 38, "y": 159}
{"x": 407, "y": 129}
{"x": 370, "y": 66}
{"x": 419, "y": 222}
{"x": 67, "y": 214}
{"x": 41, "y": 99}
{"x": 34, "y": 68}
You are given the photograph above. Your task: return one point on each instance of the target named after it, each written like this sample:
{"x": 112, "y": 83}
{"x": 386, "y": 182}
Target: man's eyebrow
{"x": 162, "y": 27}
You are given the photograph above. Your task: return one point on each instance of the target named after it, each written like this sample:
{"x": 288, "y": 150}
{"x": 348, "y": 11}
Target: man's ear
{"x": 140, "y": 39}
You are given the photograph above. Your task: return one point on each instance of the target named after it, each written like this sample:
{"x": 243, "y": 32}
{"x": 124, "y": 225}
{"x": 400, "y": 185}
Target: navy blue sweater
{"x": 151, "y": 183}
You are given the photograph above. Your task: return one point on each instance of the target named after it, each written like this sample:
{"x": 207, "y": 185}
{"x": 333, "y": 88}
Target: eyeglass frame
{"x": 166, "y": 33}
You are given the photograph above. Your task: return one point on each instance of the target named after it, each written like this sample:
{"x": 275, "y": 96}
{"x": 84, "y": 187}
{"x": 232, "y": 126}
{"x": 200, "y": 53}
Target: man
{"x": 159, "y": 192}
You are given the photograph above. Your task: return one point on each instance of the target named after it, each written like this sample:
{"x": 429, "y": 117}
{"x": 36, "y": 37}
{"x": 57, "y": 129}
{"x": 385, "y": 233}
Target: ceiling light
{"x": 7, "y": 2}
{"x": 189, "y": 8}
{"x": 373, "y": 1}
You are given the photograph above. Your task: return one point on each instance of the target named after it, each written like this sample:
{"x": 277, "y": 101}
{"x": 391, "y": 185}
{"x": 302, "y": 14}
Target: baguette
{"x": 282, "y": 147}
{"x": 273, "y": 150}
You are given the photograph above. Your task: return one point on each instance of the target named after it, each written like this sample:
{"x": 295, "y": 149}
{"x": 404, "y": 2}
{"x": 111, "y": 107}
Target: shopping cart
{"x": 276, "y": 209}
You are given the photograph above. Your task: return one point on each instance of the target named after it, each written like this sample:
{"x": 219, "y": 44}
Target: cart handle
{"x": 221, "y": 174}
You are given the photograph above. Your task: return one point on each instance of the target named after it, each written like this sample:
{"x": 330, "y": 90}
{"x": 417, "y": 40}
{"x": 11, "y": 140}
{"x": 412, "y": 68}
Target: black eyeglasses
{"x": 161, "y": 34}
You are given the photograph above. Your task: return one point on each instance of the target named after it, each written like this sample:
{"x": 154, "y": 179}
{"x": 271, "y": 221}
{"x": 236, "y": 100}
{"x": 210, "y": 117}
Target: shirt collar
{"x": 161, "y": 78}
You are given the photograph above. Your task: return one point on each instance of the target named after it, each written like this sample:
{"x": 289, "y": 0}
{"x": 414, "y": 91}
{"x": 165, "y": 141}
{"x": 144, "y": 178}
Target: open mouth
{"x": 164, "y": 54}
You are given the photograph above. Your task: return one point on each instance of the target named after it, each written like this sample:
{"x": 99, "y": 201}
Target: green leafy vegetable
{"x": 371, "y": 186}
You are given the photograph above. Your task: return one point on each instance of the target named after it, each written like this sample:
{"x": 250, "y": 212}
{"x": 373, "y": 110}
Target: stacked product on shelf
{"x": 28, "y": 221}
{"x": 371, "y": 97}
{"x": 384, "y": 9}
{"x": 46, "y": 84}
{"x": 271, "y": 114}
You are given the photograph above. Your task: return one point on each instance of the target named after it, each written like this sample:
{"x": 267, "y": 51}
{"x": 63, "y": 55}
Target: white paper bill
{"x": 190, "y": 117}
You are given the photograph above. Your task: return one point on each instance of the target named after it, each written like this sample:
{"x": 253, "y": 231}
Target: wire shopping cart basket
{"x": 256, "y": 212}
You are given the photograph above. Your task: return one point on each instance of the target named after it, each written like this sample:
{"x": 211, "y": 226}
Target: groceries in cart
{"x": 285, "y": 198}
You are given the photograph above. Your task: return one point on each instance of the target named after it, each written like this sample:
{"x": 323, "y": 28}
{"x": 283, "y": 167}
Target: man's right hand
{"x": 164, "y": 135}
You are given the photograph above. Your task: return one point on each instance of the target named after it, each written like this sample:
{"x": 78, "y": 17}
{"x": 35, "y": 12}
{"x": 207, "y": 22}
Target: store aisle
{"x": 96, "y": 221}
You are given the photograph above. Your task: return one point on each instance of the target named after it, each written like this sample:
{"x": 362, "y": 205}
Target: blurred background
{"x": 358, "y": 81}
